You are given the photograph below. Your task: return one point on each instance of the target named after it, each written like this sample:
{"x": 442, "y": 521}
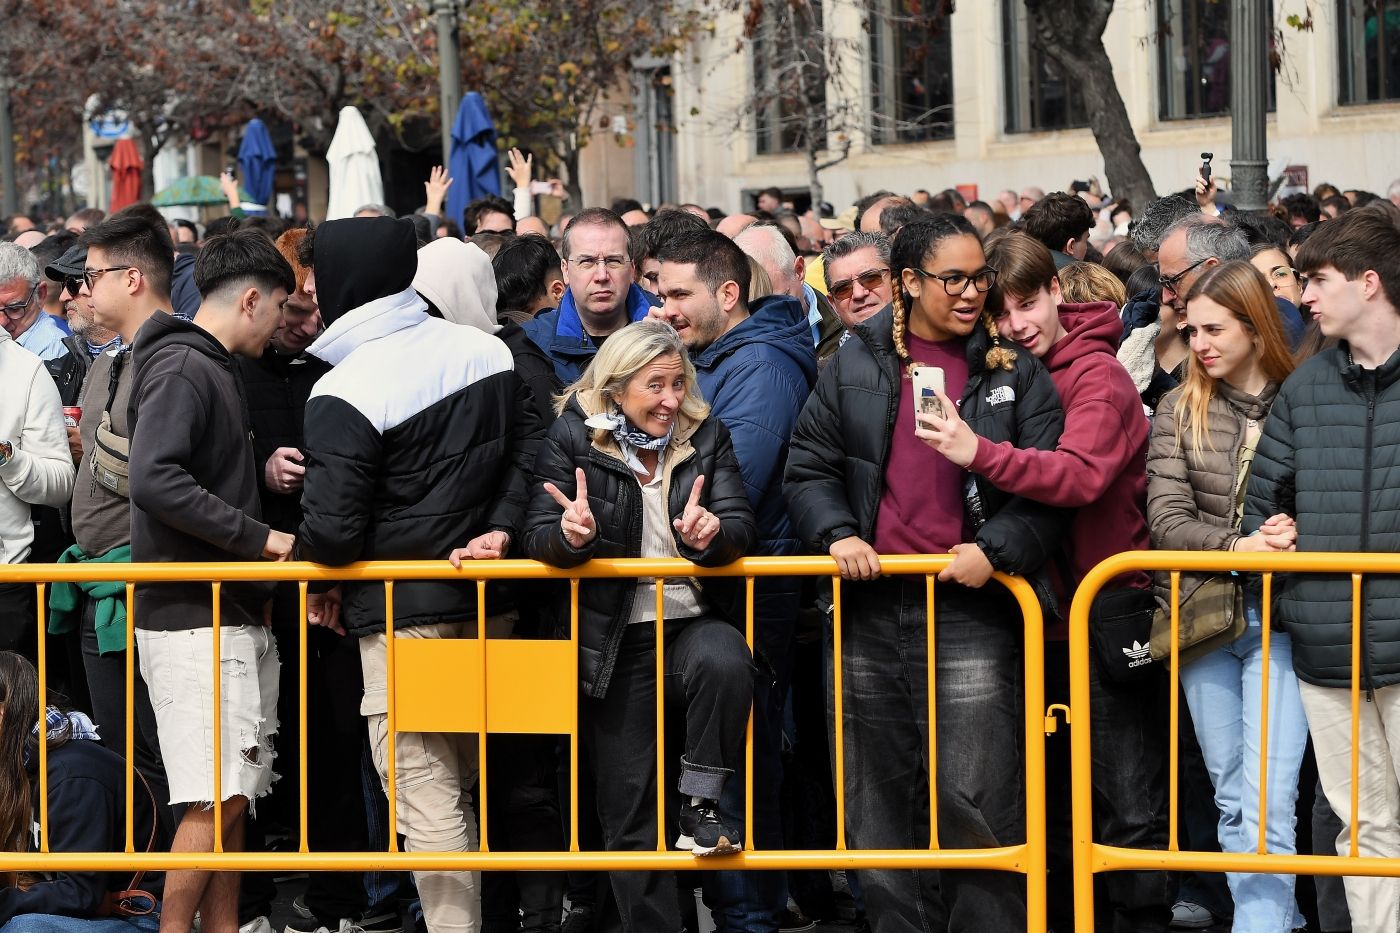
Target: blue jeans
{"x": 56, "y": 923}
{"x": 1222, "y": 690}
{"x": 980, "y": 736}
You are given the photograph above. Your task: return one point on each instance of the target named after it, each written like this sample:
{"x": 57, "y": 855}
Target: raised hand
{"x": 435, "y": 190}
{"x": 697, "y": 524}
{"x": 577, "y": 521}
{"x": 522, "y": 168}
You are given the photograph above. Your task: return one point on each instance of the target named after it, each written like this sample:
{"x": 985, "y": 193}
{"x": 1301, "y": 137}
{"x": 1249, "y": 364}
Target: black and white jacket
{"x": 421, "y": 438}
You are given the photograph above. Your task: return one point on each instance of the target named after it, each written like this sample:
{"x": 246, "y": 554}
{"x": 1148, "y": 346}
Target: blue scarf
{"x": 77, "y": 725}
{"x": 629, "y": 437}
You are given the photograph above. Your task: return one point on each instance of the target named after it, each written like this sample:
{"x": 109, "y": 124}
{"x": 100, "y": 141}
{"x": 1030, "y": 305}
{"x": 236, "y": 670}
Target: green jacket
{"x": 66, "y": 600}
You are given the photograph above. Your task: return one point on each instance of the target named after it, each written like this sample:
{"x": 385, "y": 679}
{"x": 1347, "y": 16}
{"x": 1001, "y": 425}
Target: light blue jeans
{"x": 1222, "y": 690}
{"x": 54, "y": 923}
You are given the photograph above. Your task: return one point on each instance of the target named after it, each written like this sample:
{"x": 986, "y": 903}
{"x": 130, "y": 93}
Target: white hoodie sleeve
{"x": 524, "y": 203}
{"x": 41, "y": 471}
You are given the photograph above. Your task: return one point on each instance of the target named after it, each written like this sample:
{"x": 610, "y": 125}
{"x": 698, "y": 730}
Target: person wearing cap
{"x": 88, "y": 338}
{"x": 22, "y": 294}
{"x": 419, "y": 444}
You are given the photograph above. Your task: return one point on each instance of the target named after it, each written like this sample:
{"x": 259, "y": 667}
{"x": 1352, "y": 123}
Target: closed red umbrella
{"x": 126, "y": 168}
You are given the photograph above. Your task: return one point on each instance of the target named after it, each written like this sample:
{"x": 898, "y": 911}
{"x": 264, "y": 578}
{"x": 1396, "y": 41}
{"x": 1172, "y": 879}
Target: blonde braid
{"x": 900, "y": 316}
{"x": 998, "y": 357}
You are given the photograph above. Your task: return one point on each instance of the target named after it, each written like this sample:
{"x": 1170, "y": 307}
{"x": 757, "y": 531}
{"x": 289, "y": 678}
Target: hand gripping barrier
{"x": 1091, "y": 858}
{"x": 529, "y": 686}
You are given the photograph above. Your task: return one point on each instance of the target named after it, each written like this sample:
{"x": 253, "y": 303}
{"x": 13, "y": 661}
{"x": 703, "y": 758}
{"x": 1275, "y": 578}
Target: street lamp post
{"x": 7, "y": 149}
{"x": 1249, "y": 99}
{"x": 449, "y": 70}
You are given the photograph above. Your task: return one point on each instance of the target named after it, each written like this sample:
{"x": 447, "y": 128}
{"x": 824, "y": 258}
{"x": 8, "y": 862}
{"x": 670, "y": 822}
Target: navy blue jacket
{"x": 560, "y": 334}
{"x": 756, "y": 378}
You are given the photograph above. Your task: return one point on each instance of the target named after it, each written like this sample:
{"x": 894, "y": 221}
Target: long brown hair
{"x": 19, "y": 703}
{"x": 1241, "y": 289}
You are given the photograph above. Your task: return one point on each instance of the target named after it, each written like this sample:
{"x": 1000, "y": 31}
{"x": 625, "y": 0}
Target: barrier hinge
{"x": 1051, "y": 724}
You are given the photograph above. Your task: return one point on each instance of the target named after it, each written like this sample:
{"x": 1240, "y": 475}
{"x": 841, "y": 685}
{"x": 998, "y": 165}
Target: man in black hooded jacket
{"x": 419, "y": 444}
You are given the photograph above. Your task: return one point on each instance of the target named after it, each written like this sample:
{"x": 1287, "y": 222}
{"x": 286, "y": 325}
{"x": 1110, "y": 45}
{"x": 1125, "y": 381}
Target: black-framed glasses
{"x": 72, "y": 284}
{"x": 869, "y": 280}
{"x": 92, "y": 275}
{"x": 589, "y": 263}
{"x": 1174, "y": 281}
{"x": 955, "y": 283}
{"x": 15, "y": 309}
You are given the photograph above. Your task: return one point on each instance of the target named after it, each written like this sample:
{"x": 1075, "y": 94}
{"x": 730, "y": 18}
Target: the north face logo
{"x": 1138, "y": 655}
{"x": 1000, "y": 395}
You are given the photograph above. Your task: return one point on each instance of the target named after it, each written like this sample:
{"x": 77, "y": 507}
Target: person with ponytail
{"x": 87, "y": 813}
{"x": 860, "y": 483}
{"x": 1199, "y": 461}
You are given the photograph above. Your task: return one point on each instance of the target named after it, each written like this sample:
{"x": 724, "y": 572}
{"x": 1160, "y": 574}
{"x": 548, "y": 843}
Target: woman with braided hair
{"x": 860, "y": 483}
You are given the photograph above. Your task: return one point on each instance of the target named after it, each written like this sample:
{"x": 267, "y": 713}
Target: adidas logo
{"x": 1138, "y": 655}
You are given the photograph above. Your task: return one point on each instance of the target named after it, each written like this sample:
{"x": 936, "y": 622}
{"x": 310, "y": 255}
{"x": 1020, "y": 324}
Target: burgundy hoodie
{"x": 1100, "y": 465}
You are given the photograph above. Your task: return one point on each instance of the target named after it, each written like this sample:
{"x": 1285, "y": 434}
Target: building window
{"x": 1193, "y": 40}
{"x": 911, "y": 71}
{"x": 789, "y": 71}
{"x": 1038, "y": 95}
{"x": 1369, "y": 55}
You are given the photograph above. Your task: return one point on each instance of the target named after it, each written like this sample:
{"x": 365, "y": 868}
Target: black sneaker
{"x": 579, "y": 920}
{"x": 792, "y": 920}
{"x": 703, "y": 833}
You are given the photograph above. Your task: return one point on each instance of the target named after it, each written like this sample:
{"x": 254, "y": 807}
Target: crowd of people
{"x": 1030, "y": 384}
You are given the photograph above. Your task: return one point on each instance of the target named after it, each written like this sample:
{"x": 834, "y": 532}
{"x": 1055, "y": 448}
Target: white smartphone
{"x": 928, "y": 381}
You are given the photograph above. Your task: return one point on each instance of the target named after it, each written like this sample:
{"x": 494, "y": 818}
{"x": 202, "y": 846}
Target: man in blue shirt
{"x": 22, "y": 294}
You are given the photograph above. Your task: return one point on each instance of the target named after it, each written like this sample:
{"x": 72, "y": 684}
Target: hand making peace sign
{"x": 697, "y": 525}
{"x": 577, "y": 522}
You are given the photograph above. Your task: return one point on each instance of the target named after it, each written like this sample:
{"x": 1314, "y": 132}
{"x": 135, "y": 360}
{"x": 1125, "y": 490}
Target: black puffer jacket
{"x": 277, "y": 387}
{"x": 616, "y": 500}
{"x": 836, "y": 466}
{"x": 1330, "y": 457}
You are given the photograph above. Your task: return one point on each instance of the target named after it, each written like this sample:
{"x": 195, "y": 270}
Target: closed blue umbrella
{"x": 476, "y": 166}
{"x": 258, "y": 160}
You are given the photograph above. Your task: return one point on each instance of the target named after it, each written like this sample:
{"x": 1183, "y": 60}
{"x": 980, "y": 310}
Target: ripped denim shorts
{"x": 178, "y": 670}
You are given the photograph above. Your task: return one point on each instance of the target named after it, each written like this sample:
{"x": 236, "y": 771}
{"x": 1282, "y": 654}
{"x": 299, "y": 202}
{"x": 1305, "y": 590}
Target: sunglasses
{"x": 869, "y": 280}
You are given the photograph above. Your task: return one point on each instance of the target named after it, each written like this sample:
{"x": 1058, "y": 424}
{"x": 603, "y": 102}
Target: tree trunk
{"x": 1108, "y": 118}
{"x": 1071, "y": 33}
{"x": 814, "y": 182}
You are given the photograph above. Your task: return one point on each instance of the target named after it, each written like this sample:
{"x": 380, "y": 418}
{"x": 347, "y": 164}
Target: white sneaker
{"x": 1185, "y": 916}
{"x": 256, "y": 925}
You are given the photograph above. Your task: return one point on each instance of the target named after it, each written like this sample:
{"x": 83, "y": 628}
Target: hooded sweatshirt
{"x": 1100, "y": 464}
{"x": 458, "y": 280}
{"x": 194, "y": 480}
{"x": 420, "y": 438}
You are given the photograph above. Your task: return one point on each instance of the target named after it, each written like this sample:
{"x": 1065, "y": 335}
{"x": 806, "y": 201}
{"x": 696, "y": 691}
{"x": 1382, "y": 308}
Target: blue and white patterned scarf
{"x": 79, "y": 727}
{"x": 629, "y": 437}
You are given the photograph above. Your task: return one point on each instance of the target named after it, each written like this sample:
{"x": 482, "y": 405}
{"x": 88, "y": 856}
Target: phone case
{"x": 928, "y": 380}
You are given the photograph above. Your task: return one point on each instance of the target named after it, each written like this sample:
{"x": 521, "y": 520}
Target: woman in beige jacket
{"x": 1198, "y": 461}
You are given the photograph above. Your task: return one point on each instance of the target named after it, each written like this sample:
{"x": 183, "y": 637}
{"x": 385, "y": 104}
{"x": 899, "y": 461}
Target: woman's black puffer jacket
{"x": 615, "y": 497}
{"x": 836, "y": 465}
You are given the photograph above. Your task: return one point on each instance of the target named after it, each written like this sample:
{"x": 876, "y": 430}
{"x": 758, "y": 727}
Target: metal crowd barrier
{"x": 1091, "y": 858}
{"x": 531, "y": 686}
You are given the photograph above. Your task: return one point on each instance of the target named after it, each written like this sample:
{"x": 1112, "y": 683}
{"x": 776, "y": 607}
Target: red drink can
{"x": 72, "y": 414}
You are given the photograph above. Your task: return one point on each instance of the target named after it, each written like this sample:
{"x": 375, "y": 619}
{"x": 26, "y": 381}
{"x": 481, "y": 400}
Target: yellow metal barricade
{"x": 480, "y": 685}
{"x": 1091, "y": 858}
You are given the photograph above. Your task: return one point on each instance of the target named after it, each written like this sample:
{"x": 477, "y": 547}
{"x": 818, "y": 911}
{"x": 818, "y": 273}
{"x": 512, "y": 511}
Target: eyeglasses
{"x": 15, "y": 309}
{"x": 955, "y": 283}
{"x": 1283, "y": 273}
{"x": 868, "y": 280}
{"x": 92, "y": 275}
{"x": 1174, "y": 281}
{"x": 589, "y": 263}
{"x": 72, "y": 283}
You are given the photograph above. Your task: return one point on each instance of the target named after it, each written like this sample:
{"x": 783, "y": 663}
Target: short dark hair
{"x": 1352, "y": 244}
{"x": 716, "y": 258}
{"x": 1124, "y": 260}
{"x": 1337, "y": 201}
{"x": 592, "y": 217}
{"x": 1058, "y": 218}
{"x": 1262, "y": 229}
{"x": 775, "y": 193}
{"x": 1303, "y": 234}
{"x": 1024, "y": 266}
{"x": 648, "y": 238}
{"x": 244, "y": 258}
{"x": 621, "y": 206}
{"x": 53, "y": 246}
{"x": 897, "y": 216}
{"x": 523, "y": 268}
{"x": 306, "y": 248}
{"x": 491, "y": 204}
{"x": 89, "y": 216}
{"x": 852, "y": 242}
{"x": 136, "y": 238}
{"x": 1302, "y": 205}
{"x": 221, "y": 225}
